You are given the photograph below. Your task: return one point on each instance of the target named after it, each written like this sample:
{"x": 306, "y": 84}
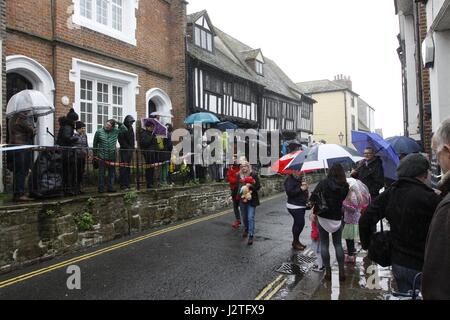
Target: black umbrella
{"x": 226, "y": 125}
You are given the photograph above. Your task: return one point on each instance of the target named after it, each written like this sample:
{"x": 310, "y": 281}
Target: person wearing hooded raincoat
{"x": 127, "y": 145}
{"x": 67, "y": 140}
{"x": 357, "y": 201}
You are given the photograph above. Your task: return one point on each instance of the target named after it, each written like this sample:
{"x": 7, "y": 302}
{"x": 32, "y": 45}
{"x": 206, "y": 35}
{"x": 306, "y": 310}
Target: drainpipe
{"x": 346, "y": 120}
{"x": 54, "y": 73}
{"x": 419, "y": 71}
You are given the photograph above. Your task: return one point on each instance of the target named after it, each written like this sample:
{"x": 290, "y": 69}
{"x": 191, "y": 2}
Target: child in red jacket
{"x": 315, "y": 244}
{"x": 233, "y": 180}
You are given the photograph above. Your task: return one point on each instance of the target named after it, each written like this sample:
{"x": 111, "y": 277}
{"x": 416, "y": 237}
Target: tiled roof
{"x": 230, "y": 55}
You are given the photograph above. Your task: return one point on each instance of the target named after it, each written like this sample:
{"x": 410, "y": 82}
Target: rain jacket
{"x": 295, "y": 194}
{"x": 408, "y": 205}
{"x": 20, "y": 130}
{"x": 371, "y": 174}
{"x": 149, "y": 145}
{"x": 66, "y": 132}
{"x": 81, "y": 143}
{"x": 436, "y": 275}
{"x": 127, "y": 138}
{"x": 105, "y": 142}
{"x": 166, "y": 153}
{"x": 233, "y": 179}
{"x": 334, "y": 194}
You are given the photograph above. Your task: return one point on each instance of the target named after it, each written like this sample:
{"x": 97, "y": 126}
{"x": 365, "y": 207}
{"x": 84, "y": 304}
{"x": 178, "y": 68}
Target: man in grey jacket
{"x": 436, "y": 268}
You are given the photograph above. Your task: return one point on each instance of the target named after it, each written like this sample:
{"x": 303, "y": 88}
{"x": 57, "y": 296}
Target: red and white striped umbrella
{"x": 280, "y": 165}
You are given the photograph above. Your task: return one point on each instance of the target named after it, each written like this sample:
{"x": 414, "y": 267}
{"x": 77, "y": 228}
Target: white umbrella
{"x": 161, "y": 114}
{"x": 29, "y": 101}
{"x": 323, "y": 156}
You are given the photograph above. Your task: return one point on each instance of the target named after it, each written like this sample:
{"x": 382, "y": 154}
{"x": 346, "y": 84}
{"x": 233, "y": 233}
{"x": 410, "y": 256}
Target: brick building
{"x": 104, "y": 58}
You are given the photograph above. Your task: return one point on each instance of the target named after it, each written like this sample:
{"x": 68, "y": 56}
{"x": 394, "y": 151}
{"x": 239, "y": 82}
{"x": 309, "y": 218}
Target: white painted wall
{"x": 407, "y": 27}
{"x": 440, "y": 79}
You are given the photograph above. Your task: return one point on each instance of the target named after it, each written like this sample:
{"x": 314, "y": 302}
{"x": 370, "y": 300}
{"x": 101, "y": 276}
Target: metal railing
{"x": 45, "y": 172}
{"x": 49, "y": 172}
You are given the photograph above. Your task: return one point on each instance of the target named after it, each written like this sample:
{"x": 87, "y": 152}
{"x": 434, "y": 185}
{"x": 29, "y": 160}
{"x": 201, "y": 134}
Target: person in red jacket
{"x": 233, "y": 179}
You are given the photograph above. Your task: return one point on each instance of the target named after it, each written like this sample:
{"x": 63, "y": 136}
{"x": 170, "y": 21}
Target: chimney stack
{"x": 344, "y": 81}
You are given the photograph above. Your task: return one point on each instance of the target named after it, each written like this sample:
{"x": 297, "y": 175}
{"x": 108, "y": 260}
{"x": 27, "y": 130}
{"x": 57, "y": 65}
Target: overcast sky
{"x": 318, "y": 39}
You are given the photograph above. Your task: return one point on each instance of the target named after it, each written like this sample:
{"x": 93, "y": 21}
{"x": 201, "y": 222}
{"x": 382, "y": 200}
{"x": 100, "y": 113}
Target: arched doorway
{"x": 25, "y": 73}
{"x": 158, "y": 101}
{"x": 15, "y": 83}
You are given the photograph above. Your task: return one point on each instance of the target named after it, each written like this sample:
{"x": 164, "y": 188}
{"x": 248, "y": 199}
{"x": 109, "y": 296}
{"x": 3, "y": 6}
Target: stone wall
{"x": 41, "y": 231}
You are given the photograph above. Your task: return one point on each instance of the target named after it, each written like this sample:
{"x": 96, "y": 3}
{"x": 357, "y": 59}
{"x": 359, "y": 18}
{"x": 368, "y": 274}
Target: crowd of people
{"x": 74, "y": 153}
{"x": 418, "y": 217}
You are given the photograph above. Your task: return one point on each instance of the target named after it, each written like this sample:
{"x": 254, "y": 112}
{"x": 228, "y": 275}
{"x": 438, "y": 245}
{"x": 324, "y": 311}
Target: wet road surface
{"x": 198, "y": 260}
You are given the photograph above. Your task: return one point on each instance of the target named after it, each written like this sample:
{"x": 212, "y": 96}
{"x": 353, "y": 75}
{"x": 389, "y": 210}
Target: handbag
{"x": 380, "y": 248}
{"x": 322, "y": 206}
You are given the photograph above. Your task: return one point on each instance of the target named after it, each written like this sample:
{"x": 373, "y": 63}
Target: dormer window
{"x": 203, "y": 36}
{"x": 255, "y": 60}
{"x": 259, "y": 67}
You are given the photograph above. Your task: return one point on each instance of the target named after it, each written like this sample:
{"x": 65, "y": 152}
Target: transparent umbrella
{"x": 31, "y": 101}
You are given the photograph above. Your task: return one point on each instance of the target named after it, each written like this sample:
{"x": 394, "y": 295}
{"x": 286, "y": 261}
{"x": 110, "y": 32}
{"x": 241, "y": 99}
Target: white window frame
{"x": 87, "y": 70}
{"x": 259, "y": 66}
{"x": 86, "y": 101}
{"x": 129, "y": 23}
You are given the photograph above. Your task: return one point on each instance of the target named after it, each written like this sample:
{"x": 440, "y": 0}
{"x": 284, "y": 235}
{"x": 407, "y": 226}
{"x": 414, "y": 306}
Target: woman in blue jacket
{"x": 297, "y": 193}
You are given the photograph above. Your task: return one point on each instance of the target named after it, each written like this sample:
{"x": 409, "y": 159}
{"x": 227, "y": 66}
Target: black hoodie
{"x": 334, "y": 194}
{"x": 66, "y": 131}
{"x": 127, "y": 139}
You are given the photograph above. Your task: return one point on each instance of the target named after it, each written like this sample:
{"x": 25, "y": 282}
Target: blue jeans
{"x": 404, "y": 277}
{"x": 103, "y": 168}
{"x": 248, "y": 215}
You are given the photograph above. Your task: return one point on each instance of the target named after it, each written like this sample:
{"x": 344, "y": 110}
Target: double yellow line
{"x": 105, "y": 250}
{"x": 276, "y": 285}
{"x": 72, "y": 261}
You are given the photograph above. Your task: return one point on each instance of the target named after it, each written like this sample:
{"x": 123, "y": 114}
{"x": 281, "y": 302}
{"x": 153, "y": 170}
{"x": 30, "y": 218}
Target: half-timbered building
{"x": 238, "y": 83}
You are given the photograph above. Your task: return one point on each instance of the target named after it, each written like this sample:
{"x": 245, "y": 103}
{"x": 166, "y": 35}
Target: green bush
{"x": 130, "y": 197}
{"x": 84, "y": 222}
{"x": 50, "y": 213}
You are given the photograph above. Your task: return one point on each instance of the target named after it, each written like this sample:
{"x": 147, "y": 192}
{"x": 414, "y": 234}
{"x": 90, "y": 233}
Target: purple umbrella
{"x": 159, "y": 130}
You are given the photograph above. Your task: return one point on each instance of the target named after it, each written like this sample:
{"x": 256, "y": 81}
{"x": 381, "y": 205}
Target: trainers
{"x": 317, "y": 269}
{"x": 236, "y": 224}
{"x": 250, "y": 240}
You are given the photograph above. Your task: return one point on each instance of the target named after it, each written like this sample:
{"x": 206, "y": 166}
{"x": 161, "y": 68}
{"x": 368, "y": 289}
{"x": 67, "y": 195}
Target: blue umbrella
{"x": 404, "y": 145}
{"x": 226, "y": 125}
{"x": 201, "y": 117}
{"x": 362, "y": 140}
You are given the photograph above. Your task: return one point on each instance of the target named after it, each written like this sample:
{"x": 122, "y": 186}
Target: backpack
{"x": 380, "y": 248}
